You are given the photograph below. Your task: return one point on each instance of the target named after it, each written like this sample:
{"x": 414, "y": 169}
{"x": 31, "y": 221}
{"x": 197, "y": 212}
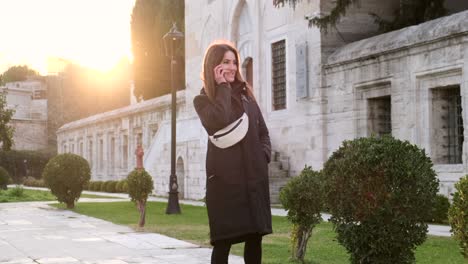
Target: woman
{"x": 237, "y": 190}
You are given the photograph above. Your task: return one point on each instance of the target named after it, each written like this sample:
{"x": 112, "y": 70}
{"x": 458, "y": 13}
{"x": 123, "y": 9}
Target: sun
{"x": 94, "y": 34}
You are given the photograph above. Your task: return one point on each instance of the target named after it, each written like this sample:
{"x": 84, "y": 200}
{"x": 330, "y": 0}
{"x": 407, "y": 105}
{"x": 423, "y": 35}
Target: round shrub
{"x": 140, "y": 185}
{"x": 33, "y": 182}
{"x": 4, "y": 178}
{"x": 124, "y": 186}
{"x": 86, "y": 186}
{"x": 110, "y": 186}
{"x": 97, "y": 186}
{"x": 380, "y": 191}
{"x": 29, "y": 181}
{"x": 119, "y": 187}
{"x": 303, "y": 198}
{"x": 103, "y": 186}
{"x": 439, "y": 211}
{"x": 65, "y": 175}
{"x": 90, "y": 186}
{"x": 458, "y": 215}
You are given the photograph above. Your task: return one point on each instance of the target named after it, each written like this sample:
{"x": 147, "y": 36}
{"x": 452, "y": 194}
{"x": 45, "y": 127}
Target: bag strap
{"x": 245, "y": 103}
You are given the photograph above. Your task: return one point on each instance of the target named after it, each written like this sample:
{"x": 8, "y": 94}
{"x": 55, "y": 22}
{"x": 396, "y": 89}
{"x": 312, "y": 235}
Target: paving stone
{"x": 80, "y": 225}
{"x": 88, "y": 239}
{"x": 18, "y": 222}
{"x": 57, "y": 260}
{"x": 128, "y": 241}
{"x": 113, "y": 261}
{"x": 17, "y": 261}
{"x": 162, "y": 241}
{"x": 49, "y": 237}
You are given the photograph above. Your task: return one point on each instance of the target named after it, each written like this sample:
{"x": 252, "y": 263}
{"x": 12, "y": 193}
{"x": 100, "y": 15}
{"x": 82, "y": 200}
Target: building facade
{"x": 29, "y": 100}
{"x": 315, "y": 89}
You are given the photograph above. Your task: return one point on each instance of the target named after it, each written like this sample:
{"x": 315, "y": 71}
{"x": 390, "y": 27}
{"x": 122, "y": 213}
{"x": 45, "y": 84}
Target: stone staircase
{"x": 279, "y": 175}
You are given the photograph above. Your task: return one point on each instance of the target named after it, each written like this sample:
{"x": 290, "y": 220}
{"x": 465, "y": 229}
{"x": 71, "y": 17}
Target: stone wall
{"x": 29, "y": 134}
{"x": 253, "y": 26}
{"x": 408, "y": 65}
{"x": 27, "y": 99}
{"x": 108, "y": 141}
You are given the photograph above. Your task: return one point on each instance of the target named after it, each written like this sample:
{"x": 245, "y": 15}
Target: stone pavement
{"x": 34, "y": 232}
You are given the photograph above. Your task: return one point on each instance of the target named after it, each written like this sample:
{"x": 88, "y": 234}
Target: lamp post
{"x": 173, "y": 41}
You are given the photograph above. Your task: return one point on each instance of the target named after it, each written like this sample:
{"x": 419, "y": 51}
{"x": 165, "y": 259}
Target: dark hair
{"x": 213, "y": 57}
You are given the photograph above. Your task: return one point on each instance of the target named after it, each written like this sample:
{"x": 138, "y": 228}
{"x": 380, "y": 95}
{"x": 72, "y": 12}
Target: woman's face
{"x": 229, "y": 63}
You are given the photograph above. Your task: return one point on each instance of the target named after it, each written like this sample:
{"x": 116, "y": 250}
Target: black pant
{"x": 252, "y": 250}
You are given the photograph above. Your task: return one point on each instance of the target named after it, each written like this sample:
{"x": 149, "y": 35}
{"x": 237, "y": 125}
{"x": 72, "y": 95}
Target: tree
{"x": 6, "y": 131}
{"x": 458, "y": 215}
{"x": 409, "y": 12}
{"x": 151, "y": 19}
{"x": 303, "y": 198}
{"x": 412, "y": 12}
{"x": 78, "y": 92}
{"x": 140, "y": 186}
{"x": 17, "y": 73}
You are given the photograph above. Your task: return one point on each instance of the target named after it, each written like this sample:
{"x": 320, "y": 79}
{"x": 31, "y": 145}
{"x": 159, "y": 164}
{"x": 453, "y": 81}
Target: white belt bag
{"x": 232, "y": 133}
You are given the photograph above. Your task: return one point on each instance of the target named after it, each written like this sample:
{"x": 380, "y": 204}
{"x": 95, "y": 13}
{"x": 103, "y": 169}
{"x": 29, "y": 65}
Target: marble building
{"x": 315, "y": 89}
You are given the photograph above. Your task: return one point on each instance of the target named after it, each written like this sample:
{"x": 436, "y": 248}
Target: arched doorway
{"x": 180, "y": 172}
{"x": 242, "y": 34}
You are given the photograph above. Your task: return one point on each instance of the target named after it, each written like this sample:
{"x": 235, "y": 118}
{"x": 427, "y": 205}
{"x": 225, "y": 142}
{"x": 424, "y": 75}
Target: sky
{"x": 92, "y": 33}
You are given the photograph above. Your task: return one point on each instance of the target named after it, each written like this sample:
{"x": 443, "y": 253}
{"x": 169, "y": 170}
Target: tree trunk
{"x": 70, "y": 205}
{"x": 142, "y": 208}
{"x": 303, "y": 235}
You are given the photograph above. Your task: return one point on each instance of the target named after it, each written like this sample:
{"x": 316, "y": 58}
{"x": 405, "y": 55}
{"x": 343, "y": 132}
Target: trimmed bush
{"x": 102, "y": 188}
{"x": 303, "y": 198}
{"x": 458, "y": 215}
{"x": 110, "y": 187}
{"x": 439, "y": 212}
{"x": 4, "y": 178}
{"x": 125, "y": 186}
{"x": 33, "y": 182}
{"x": 65, "y": 175}
{"x": 140, "y": 186}
{"x": 380, "y": 191}
{"x": 119, "y": 187}
{"x": 97, "y": 186}
{"x": 92, "y": 185}
{"x": 86, "y": 186}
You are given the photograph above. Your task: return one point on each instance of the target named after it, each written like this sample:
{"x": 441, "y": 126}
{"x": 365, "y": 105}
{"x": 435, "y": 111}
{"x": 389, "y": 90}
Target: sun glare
{"x": 95, "y": 34}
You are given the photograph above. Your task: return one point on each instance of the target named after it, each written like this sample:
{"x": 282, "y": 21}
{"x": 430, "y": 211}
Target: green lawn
{"x": 192, "y": 225}
{"x": 84, "y": 195}
{"x": 14, "y": 194}
{"x": 18, "y": 194}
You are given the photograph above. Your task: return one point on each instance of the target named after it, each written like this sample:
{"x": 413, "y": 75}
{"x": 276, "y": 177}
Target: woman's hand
{"x": 219, "y": 74}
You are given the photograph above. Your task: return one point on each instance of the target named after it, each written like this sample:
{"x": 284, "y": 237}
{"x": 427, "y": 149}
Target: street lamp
{"x": 173, "y": 41}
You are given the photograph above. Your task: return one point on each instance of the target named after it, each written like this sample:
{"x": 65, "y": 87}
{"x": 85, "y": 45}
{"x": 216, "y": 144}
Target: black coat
{"x": 237, "y": 192}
